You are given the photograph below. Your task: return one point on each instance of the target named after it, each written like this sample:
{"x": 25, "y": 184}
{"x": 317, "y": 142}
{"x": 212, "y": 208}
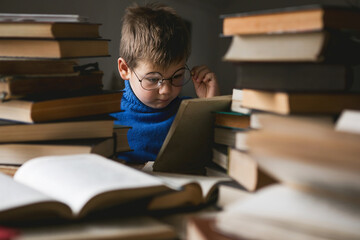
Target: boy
{"x": 154, "y": 48}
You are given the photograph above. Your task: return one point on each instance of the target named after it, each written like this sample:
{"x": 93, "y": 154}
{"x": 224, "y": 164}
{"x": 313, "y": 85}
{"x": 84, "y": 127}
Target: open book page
{"x": 77, "y": 179}
{"x": 16, "y": 195}
{"x": 193, "y": 190}
{"x": 309, "y": 213}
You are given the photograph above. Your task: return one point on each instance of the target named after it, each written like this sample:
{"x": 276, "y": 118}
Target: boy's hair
{"x": 154, "y": 33}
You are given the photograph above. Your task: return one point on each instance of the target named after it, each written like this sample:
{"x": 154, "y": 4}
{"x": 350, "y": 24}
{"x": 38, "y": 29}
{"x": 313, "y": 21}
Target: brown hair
{"x": 154, "y": 33}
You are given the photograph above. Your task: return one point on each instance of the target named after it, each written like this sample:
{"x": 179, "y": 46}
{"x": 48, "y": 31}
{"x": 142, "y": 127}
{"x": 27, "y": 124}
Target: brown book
{"x": 20, "y": 86}
{"x": 232, "y": 119}
{"x": 291, "y": 19}
{"x": 244, "y": 169}
{"x": 120, "y": 138}
{"x": 293, "y": 76}
{"x": 60, "y": 130}
{"x": 32, "y": 66}
{"x": 19, "y": 153}
{"x": 27, "y": 29}
{"x": 9, "y": 170}
{"x": 42, "y": 48}
{"x": 319, "y": 46}
{"x": 300, "y": 102}
{"x": 61, "y": 107}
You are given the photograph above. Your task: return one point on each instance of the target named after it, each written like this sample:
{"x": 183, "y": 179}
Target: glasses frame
{"x": 162, "y": 80}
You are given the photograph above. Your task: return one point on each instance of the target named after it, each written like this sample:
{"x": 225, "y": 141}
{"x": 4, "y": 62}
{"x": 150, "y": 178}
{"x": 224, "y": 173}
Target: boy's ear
{"x": 124, "y": 69}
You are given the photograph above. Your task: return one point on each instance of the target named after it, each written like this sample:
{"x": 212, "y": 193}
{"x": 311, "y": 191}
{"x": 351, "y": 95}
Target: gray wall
{"x": 207, "y": 45}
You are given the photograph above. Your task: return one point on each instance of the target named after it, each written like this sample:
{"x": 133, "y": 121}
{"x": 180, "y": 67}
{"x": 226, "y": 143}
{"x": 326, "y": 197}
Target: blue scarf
{"x": 149, "y": 126}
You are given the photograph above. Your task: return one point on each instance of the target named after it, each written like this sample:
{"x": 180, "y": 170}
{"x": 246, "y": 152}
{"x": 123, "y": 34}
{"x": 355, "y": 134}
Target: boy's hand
{"x": 205, "y": 82}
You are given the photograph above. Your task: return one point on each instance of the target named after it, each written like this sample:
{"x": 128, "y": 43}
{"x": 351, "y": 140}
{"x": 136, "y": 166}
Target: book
{"x": 236, "y": 102}
{"x": 348, "y": 121}
{"x": 27, "y": 29}
{"x": 283, "y": 212}
{"x": 38, "y": 17}
{"x": 72, "y": 186}
{"x": 320, "y": 46}
{"x": 73, "y": 105}
{"x": 121, "y": 143}
{"x": 220, "y": 155}
{"x": 20, "y": 86}
{"x": 231, "y": 137}
{"x": 39, "y": 67}
{"x": 19, "y": 153}
{"x": 60, "y": 130}
{"x": 299, "y": 18}
{"x": 294, "y": 76}
{"x": 192, "y": 129}
{"x": 300, "y": 102}
{"x": 9, "y": 169}
{"x": 232, "y": 119}
{"x": 130, "y": 227}
{"x": 244, "y": 169}
{"x": 329, "y": 164}
{"x": 53, "y": 49}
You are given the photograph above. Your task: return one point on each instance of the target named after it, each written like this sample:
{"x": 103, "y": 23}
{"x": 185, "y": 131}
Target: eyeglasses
{"x": 153, "y": 80}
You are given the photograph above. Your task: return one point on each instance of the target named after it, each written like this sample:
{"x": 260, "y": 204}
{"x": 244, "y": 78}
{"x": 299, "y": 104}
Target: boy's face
{"x": 160, "y": 97}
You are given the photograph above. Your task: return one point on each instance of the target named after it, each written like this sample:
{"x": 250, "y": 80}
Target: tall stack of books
{"x": 50, "y": 104}
{"x": 295, "y": 71}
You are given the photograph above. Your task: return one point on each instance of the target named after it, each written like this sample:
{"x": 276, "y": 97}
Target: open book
{"x": 71, "y": 186}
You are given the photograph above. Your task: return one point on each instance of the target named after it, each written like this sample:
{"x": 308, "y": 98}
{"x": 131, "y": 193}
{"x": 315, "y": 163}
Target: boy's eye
{"x": 153, "y": 80}
{"x": 178, "y": 76}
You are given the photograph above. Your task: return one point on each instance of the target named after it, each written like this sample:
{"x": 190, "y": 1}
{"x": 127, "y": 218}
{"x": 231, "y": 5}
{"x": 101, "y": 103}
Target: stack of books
{"x": 50, "y": 104}
{"x": 294, "y": 70}
{"x": 230, "y": 151}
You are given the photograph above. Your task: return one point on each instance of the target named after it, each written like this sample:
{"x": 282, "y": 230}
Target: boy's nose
{"x": 165, "y": 87}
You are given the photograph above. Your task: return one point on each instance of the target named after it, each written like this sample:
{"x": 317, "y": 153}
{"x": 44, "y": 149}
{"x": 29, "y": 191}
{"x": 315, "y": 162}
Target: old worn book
{"x": 53, "y": 49}
{"x": 291, "y": 19}
{"x": 27, "y": 29}
{"x": 33, "y": 66}
{"x": 232, "y": 119}
{"x": 72, "y": 186}
{"x": 300, "y": 102}
{"x": 56, "y": 107}
{"x": 192, "y": 129}
{"x": 19, "y": 153}
{"x": 294, "y": 76}
{"x": 321, "y": 46}
{"x": 244, "y": 169}
{"x": 121, "y": 143}
{"x": 23, "y": 85}
{"x": 101, "y": 127}
{"x": 130, "y": 227}
{"x": 39, "y": 17}
{"x": 284, "y": 212}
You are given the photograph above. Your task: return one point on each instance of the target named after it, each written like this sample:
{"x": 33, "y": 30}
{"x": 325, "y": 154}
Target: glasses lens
{"x": 150, "y": 81}
{"x": 181, "y": 77}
